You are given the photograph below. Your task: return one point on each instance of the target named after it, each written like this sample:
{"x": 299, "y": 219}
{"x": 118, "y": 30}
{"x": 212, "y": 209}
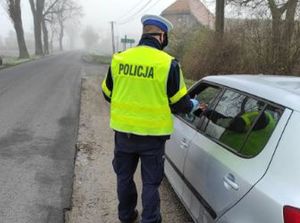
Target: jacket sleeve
{"x": 107, "y": 86}
{"x": 178, "y": 98}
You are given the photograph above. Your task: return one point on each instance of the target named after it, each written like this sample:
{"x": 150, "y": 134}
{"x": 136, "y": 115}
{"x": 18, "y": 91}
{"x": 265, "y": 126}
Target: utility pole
{"x": 113, "y": 36}
{"x": 118, "y": 47}
{"x": 219, "y": 23}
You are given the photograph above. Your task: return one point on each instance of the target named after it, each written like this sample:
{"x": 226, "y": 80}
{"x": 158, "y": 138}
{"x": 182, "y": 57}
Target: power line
{"x": 133, "y": 15}
{"x": 137, "y": 12}
{"x": 129, "y": 11}
{"x": 144, "y": 9}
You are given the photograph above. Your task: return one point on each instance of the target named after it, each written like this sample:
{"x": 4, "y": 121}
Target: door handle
{"x": 229, "y": 182}
{"x": 183, "y": 144}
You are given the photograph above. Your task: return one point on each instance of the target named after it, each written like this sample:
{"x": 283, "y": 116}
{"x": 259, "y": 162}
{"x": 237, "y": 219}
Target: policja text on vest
{"x": 137, "y": 70}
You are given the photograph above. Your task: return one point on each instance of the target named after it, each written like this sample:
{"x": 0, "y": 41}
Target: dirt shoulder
{"x": 94, "y": 191}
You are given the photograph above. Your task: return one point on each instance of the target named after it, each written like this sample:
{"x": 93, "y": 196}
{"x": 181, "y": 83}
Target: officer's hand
{"x": 195, "y": 105}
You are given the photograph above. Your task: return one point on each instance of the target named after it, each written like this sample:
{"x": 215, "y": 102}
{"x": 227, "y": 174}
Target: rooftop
{"x": 180, "y": 6}
{"x": 193, "y": 7}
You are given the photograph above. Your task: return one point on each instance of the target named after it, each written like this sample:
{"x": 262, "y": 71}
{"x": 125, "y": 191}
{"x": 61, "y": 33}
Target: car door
{"x": 185, "y": 128}
{"x": 175, "y": 153}
{"x": 223, "y": 163}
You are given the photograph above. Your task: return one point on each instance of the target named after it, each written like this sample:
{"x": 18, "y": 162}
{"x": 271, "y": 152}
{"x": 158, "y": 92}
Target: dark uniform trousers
{"x": 128, "y": 150}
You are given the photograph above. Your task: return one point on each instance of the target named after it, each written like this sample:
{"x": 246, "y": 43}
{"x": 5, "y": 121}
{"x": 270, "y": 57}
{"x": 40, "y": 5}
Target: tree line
{"x": 259, "y": 36}
{"x": 46, "y": 14}
{"x": 284, "y": 35}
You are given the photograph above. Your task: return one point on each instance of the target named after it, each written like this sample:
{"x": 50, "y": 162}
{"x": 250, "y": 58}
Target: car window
{"x": 225, "y": 123}
{"x": 261, "y": 131}
{"x": 242, "y": 123}
{"x": 206, "y": 94}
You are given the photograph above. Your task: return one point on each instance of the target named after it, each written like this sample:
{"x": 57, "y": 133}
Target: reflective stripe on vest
{"x": 139, "y": 101}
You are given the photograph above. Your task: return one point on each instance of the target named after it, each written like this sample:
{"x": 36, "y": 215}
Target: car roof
{"x": 283, "y": 90}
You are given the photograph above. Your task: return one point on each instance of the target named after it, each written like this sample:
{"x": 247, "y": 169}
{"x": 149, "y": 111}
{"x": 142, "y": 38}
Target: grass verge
{"x": 96, "y": 59}
{"x": 9, "y": 61}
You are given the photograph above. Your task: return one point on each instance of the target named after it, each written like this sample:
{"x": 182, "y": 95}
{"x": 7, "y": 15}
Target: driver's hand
{"x": 203, "y": 106}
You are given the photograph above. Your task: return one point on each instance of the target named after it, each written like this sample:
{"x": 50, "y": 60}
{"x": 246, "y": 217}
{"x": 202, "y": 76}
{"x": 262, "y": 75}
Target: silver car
{"x": 237, "y": 160}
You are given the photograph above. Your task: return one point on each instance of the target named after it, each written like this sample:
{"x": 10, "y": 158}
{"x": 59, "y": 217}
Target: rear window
{"x": 261, "y": 132}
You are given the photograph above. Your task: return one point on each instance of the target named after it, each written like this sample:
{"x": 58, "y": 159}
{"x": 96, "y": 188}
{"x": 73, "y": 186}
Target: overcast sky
{"x": 98, "y": 13}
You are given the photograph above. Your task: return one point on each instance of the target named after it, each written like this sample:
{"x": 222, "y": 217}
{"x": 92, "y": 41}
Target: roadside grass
{"x": 9, "y": 61}
{"x": 96, "y": 58}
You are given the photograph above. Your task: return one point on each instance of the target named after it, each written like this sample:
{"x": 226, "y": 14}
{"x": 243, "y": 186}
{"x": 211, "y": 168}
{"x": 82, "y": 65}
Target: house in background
{"x": 189, "y": 14}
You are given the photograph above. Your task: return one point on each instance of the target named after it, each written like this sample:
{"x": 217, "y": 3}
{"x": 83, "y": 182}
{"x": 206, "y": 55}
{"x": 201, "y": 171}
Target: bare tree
{"x": 48, "y": 18}
{"x": 219, "y": 23}
{"x": 37, "y": 7}
{"x": 53, "y": 33}
{"x": 178, "y": 40}
{"x": 61, "y": 20}
{"x": 72, "y": 32}
{"x": 283, "y": 30}
{"x": 14, "y": 10}
{"x": 45, "y": 37}
{"x": 90, "y": 37}
{"x": 1, "y": 42}
{"x": 66, "y": 9}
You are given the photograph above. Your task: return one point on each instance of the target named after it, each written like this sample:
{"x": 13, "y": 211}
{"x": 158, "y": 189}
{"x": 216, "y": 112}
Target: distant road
{"x": 39, "y": 104}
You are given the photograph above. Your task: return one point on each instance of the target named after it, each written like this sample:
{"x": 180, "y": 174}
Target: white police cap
{"x": 159, "y": 21}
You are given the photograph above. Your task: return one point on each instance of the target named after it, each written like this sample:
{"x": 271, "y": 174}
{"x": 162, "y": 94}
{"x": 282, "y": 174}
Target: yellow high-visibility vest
{"x": 139, "y": 100}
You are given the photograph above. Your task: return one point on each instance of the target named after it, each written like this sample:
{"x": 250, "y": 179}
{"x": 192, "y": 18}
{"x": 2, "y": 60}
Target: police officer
{"x": 144, "y": 86}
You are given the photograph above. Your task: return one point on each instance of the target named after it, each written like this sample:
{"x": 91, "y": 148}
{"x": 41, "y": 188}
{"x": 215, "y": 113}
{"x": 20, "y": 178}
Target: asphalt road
{"x": 39, "y": 106}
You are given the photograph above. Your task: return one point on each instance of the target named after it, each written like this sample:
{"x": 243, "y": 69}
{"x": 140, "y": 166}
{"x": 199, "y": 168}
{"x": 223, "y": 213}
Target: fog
{"x": 96, "y": 15}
